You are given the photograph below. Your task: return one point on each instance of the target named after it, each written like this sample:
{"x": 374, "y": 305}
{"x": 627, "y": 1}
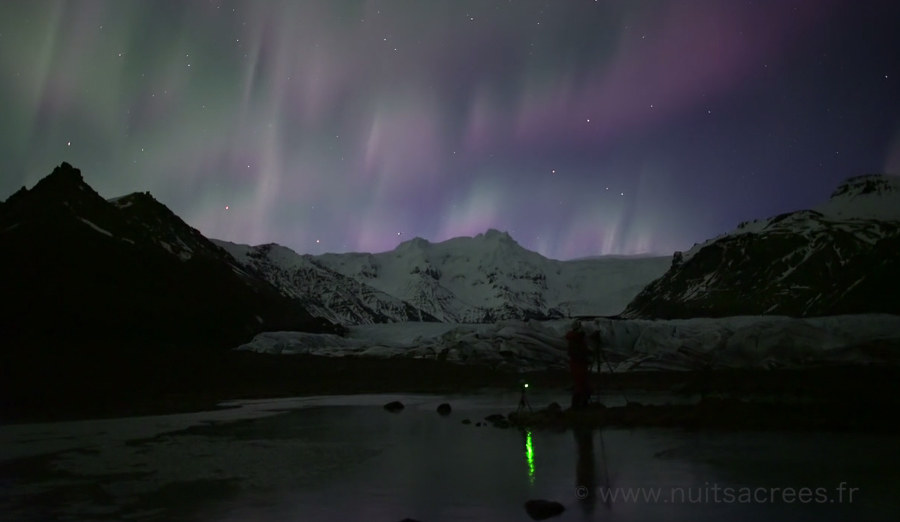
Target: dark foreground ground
{"x": 70, "y": 387}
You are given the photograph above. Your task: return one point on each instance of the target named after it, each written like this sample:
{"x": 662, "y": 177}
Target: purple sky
{"x": 580, "y": 127}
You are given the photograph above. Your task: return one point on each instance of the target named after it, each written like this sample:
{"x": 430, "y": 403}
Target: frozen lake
{"x": 346, "y": 458}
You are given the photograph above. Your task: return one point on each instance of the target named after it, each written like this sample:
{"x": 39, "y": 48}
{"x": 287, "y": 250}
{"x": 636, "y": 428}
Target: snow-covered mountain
{"x": 841, "y": 257}
{"x": 478, "y": 279}
{"x": 324, "y": 292}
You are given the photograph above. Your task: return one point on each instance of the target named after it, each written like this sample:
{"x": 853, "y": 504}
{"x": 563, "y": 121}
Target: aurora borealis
{"x": 581, "y": 127}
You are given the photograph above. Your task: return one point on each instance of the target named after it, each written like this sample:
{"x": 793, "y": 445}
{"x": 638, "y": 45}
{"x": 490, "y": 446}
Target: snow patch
{"x": 95, "y": 227}
{"x": 123, "y": 201}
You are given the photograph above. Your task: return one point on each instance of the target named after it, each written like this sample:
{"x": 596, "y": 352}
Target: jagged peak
{"x": 66, "y": 170}
{"x": 414, "y": 243}
{"x": 873, "y": 196}
{"x": 866, "y": 184}
{"x": 493, "y": 233}
{"x": 64, "y": 184}
{"x": 274, "y": 247}
{"x": 133, "y": 198}
{"x": 64, "y": 177}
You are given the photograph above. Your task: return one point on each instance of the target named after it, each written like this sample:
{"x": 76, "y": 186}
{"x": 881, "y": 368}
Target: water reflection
{"x": 585, "y": 469}
{"x": 529, "y": 456}
{"x": 345, "y": 458}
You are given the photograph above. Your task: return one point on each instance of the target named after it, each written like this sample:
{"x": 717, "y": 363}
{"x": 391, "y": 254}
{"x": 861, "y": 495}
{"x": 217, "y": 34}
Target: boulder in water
{"x": 394, "y": 406}
{"x": 541, "y": 509}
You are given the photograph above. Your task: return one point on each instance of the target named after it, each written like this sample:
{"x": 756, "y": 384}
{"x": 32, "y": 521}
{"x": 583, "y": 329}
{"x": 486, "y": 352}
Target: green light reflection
{"x": 529, "y": 456}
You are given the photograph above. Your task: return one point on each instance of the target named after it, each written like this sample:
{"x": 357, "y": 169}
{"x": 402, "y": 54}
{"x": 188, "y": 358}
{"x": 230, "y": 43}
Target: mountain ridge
{"x": 87, "y": 268}
{"x": 476, "y": 279}
{"x": 839, "y": 257}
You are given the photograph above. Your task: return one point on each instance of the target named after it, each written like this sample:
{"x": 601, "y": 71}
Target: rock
{"x": 541, "y": 509}
{"x": 444, "y": 409}
{"x": 394, "y": 406}
{"x": 554, "y": 407}
{"x": 497, "y": 420}
{"x": 479, "y": 424}
{"x": 467, "y": 421}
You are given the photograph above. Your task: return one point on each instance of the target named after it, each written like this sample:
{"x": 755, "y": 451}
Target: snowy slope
{"x": 601, "y": 286}
{"x": 490, "y": 277}
{"x": 324, "y": 292}
{"x": 478, "y": 279}
{"x": 459, "y": 280}
{"x": 853, "y": 206}
{"x": 842, "y": 257}
{"x": 865, "y": 197}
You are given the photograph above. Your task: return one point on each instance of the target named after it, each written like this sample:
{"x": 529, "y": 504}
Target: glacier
{"x": 626, "y": 344}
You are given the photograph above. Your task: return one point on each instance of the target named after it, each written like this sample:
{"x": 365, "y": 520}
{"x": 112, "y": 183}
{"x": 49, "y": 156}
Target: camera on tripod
{"x": 523, "y": 399}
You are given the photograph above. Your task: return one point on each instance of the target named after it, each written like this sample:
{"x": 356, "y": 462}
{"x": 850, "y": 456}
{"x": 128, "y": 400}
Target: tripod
{"x": 599, "y": 356}
{"x": 523, "y": 400}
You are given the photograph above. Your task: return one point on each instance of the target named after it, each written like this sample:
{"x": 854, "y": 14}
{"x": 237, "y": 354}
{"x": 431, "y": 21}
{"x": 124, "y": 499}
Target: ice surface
{"x": 747, "y": 341}
{"x": 345, "y": 458}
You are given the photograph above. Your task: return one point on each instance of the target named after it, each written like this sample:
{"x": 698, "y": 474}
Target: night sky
{"x": 580, "y": 127}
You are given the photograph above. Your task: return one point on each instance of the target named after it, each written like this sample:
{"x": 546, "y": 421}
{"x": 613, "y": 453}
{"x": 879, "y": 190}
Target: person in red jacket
{"x": 579, "y": 365}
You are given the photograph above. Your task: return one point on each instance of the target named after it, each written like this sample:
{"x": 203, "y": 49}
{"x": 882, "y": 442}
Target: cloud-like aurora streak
{"x": 353, "y": 125}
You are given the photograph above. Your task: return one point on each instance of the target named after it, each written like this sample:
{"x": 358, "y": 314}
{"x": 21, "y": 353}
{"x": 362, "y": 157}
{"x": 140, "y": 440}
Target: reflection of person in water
{"x": 585, "y": 468}
{"x": 579, "y": 365}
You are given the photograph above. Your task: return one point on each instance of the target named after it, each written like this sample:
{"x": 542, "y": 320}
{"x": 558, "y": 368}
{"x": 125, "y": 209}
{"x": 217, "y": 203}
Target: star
{"x": 336, "y": 118}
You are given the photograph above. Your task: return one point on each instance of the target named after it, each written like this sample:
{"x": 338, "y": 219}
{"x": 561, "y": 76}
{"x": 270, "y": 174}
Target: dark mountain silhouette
{"x": 120, "y": 289}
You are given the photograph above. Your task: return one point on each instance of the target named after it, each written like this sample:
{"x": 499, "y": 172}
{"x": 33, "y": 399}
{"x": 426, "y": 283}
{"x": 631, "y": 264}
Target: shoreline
{"x": 715, "y": 413}
{"x": 245, "y": 376}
